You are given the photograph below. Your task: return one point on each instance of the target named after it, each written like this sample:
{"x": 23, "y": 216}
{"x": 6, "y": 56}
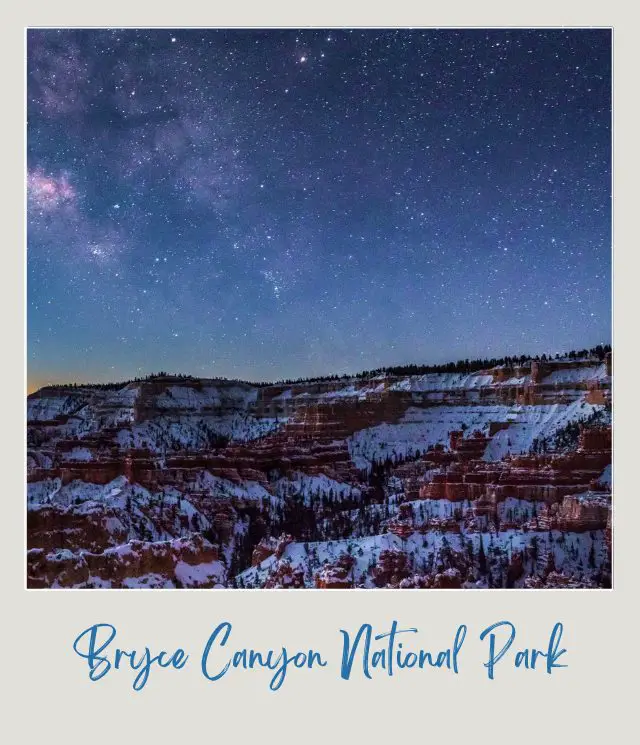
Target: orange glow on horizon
{"x": 37, "y": 382}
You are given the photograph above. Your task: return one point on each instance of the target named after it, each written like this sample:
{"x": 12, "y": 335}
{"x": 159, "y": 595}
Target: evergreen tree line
{"x": 461, "y": 366}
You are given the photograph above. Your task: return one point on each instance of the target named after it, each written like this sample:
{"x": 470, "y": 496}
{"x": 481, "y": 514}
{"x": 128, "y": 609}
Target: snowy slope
{"x": 576, "y": 375}
{"x": 311, "y": 488}
{"x": 195, "y": 432}
{"x": 531, "y": 422}
{"x": 442, "y": 382}
{"x": 423, "y": 549}
{"x": 420, "y": 429}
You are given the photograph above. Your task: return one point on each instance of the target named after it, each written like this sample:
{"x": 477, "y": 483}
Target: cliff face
{"x": 183, "y": 562}
{"x": 441, "y": 480}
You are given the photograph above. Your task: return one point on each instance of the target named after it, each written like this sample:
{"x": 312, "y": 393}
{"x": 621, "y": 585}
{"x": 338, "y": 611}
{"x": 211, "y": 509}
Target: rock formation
{"x": 496, "y": 478}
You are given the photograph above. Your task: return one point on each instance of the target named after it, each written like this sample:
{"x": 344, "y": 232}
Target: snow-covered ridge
{"x": 156, "y": 396}
{"x": 209, "y": 397}
{"x": 576, "y": 375}
{"x": 569, "y": 550}
{"x": 442, "y": 381}
{"x": 49, "y": 407}
{"x": 259, "y": 483}
{"x": 420, "y": 429}
{"x": 157, "y": 416}
{"x": 196, "y": 432}
{"x": 536, "y": 422}
{"x": 311, "y": 488}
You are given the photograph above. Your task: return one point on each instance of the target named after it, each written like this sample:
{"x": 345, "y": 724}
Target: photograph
{"x": 318, "y": 308}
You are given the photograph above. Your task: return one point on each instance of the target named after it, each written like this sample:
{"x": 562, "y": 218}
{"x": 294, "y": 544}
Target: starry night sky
{"x": 282, "y": 203}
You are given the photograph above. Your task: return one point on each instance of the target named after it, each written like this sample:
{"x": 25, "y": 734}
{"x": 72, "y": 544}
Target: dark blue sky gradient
{"x": 267, "y": 204}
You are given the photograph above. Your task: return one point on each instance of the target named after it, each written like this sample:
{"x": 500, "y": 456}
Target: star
{"x": 348, "y": 214}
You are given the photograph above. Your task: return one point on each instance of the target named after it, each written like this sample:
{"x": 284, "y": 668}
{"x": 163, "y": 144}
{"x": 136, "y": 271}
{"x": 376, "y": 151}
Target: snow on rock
{"x": 569, "y": 551}
{"x": 151, "y": 581}
{"x": 442, "y": 381}
{"x": 420, "y": 429}
{"x": 208, "y": 397}
{"x": 75, "y": 492}
{"x": 606, "y": 478}
{"x": 199, "y": 575}
{"x": 79, "y": 454}
{"x": 39, "y": 492}
{"x": 49, "y": 407}
{"x": 576, "y": 375}
{"x": 352, "y": 391}
{"x": 184, "y": 432}
{"x": 190, "y": 497}
{"x": 528, "y": 423}
{"x": 190, "y": 561}
{"x": 312, "y": 488}
{"x": 224, "y": 489}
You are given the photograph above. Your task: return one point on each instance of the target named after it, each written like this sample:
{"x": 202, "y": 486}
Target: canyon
{"x": 491, "y": 478}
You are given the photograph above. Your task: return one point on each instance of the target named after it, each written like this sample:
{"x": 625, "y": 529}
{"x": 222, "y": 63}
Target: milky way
{"x": 268, "y": 204}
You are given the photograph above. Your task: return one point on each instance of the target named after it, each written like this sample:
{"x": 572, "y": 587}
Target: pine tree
{"x": 482, "y": 559}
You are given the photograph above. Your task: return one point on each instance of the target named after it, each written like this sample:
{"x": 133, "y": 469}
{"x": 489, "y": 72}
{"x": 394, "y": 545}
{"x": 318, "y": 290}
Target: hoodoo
{"x": 494, "y": 477}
